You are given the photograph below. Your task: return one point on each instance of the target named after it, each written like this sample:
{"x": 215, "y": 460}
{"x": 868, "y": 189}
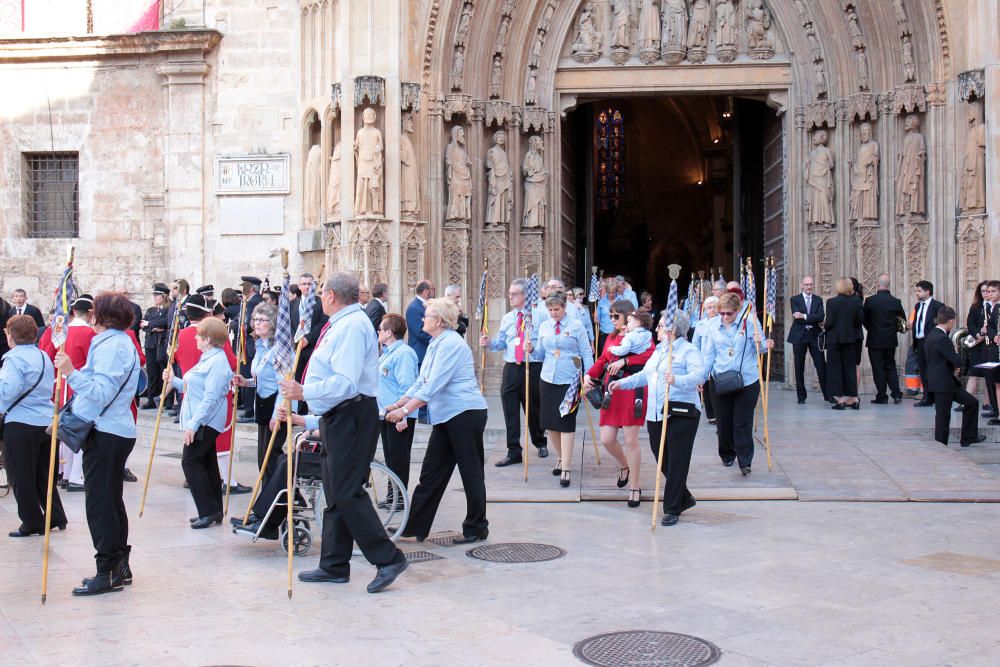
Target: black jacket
{"x": 844, "y": 314}
{"x": 33, "y": 313}
{"x": 807, "y": 330}
{"x": 375, "y": 312}
{"x": 930, "y": 314}
{"x": 942, "y": 360}
{"x": 881, "y": 311}
{"x": 157, "y": 328}
{"x": 319, "y": 319}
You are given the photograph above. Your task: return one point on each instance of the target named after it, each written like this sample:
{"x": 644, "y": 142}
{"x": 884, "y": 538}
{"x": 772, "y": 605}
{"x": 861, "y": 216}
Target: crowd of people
{"x": 366, "y": 374}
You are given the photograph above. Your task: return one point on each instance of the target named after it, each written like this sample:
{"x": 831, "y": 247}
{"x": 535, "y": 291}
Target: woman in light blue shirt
{"x": 567, "y": 353}
{"x": 203, "y": 418}
{"x": 447, "y": 386}
{"x": 264, "y": 379}
{"x": 683, "y": 373}
{"x": 105, "y": 389}
{"x": 397, "y": 371}
{"x": 731, "y": 345}
{"x": 709, "y": 316}
{"x": 26, "y": 398}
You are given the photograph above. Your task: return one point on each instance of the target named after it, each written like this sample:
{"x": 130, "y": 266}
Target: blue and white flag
{"x": 284, "y": 351}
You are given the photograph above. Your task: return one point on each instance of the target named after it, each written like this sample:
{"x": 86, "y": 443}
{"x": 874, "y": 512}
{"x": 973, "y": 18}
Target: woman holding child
{"x": 620, "y": 410}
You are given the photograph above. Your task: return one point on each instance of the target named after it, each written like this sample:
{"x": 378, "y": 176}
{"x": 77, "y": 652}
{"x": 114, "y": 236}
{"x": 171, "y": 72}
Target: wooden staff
{"x": 171, "y": 350}
{"x": 240, "y": 351}
{"x": 526, "y": 334}
{"x": 289, "y": 464}
{"x": 760, "y": 369}
{"x": 767, "y": 381}
{"x": 663, "y": 432}
{"x": 590, "y": 420}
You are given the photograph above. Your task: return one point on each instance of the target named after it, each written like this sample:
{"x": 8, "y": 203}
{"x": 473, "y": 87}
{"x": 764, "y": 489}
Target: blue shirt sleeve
{"x": 708, "y": 353}
{"x": 216, "y": 387}
{"x": 12, "y": 384}
{"x": 342, "y": 383}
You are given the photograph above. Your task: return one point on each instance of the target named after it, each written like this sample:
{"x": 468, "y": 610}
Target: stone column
{"x": 971, "y": 222}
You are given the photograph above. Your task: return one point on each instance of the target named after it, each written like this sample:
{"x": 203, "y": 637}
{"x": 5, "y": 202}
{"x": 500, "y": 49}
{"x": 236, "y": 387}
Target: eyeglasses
{"x": 727, "y": 313}
{"x": 260, "y": 319}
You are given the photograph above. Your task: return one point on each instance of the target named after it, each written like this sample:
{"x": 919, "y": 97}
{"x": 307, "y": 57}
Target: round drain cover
{"x": 646, "y": 648}
{"x": 516, "y": 552}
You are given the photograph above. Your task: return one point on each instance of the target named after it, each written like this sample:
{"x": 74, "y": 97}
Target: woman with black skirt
{"x": 26, "y": 398}
{"x": 844, "y": 314}
{"x": 975, "y": 323}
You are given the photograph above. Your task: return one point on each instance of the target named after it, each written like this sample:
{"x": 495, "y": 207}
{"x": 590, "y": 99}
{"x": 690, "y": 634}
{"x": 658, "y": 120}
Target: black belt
{"x": 521, "y": 363}
{"x": 345, "y": 403}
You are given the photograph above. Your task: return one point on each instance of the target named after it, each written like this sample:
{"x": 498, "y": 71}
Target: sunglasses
{"x": 616, "y": 316}
{"x": 727, "y": 313}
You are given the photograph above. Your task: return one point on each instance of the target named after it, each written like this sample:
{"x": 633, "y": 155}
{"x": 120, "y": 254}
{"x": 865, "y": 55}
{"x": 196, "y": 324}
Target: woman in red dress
{"x": 621, "y": 412}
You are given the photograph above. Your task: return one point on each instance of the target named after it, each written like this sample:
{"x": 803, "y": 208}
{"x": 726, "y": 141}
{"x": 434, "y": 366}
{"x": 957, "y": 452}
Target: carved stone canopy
{"x": 909, "y": 99}
{"x": 972, "y": 85}
{"x": 457, "y": 104}
{"x": 409, "y": 96}
{"x": 531, "y": 119}
{"x": 497, "y": 112}
{"x": 861, "y": 105}
{"x": 372, "y": 87}
{"x": 821, "y": 113}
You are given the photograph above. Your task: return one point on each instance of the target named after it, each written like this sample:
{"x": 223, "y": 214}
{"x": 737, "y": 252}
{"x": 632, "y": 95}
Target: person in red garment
{"x": 196, "y": 309}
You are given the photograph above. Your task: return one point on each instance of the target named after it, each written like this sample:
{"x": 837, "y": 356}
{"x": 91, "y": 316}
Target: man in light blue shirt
{"x": 340, "y": 384}
{"x": 625, "y": 291}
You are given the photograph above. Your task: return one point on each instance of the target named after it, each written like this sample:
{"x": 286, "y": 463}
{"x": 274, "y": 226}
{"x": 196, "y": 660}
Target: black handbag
{"x": 73, "y": 429}
{"x": 730, "y": 382}
{"x": 3, "y": 415}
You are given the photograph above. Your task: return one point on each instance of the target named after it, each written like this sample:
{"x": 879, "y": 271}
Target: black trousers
{"x": 799, "y": 354}
{"x": 884, "y": 372}
{"x": 104, "y": 457}
{"x": 350, "y": 436}
{"x": 201, "y": 470}
{"x": 918, "y": 347}
{"x": 458, "y": 441}
{"x": 676, "y": 458}
{"x": 706, "y": 398}
{"x": 512, "y": 401}
{"x": 26, "y": 454}
{"x": 269, "y": 491}
{"x": 942, "y": 415}
{"x": 841, "y": 363}
{"x": 734, "y": 421}
{"x": 263, "y": 409}
{"x": 396, "y": 448}
{"x": 991, "y": 376}
{"x": 154, "y": 373}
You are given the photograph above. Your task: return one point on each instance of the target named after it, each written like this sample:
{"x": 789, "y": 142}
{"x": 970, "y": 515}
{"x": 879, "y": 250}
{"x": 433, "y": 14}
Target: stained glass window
{"x": 610, "y": 158}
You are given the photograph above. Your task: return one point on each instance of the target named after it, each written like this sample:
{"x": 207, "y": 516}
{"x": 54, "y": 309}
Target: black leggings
{"x": 26, "y": 451}
{"x": 104, "y": 457}
{"x": 201, "y": 470}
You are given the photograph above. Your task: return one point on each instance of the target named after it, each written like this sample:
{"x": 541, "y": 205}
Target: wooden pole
{"x": 663, "y": 433}
{"x": 240, "y": 348}
{"x": 526, "y": 332}
{"x": 172, "y": 349}
{"x": 53, "y": 443}
{"x": 590, "y": 420}
{"x": 289, "y": 464}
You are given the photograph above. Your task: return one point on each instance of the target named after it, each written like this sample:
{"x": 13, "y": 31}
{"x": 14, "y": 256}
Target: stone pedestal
{"x": 912, "y": 234}
{"x": 532, "y": 250}
{"x": 368, "y": 249}
{"x": 866, "y": 247}
{"x": 823, "y": 243}
{"x": 970, "y": 234}
{"x": 412, "y": 244}
{"x": 455, "y": 242}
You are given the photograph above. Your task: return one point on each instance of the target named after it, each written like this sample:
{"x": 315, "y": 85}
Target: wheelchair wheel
{"x": 390, "y": 498}
{"x": 303, "y": 538}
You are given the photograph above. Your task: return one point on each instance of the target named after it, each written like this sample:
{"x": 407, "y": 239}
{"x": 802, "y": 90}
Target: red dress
{"x": 186, "y": 356}
{"x": 622, "y": 410}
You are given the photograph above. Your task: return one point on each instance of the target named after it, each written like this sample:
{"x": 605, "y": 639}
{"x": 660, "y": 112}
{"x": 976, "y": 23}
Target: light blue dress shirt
{"x": 634, "y": 342}
{"x": 344, "y": 363}
{"x": 112, "y": 354}
{"x": 700, "y": 329}
{"x": 507, "y": 335}
{"x": 688, "y": 370}
{"x": 720, "y": 341}
{"x": 447, "y": 379}
{"x": 604, "y": 322}
{"x": 563, "y": 349}
{"x": 583, "y": 314}
{"x": 205, "y": 387}
{"x": 263, "y": 370}
{"x": 21, "y": 368}
{"x": 630, "y": 295}
{"x": 397, "y": 371}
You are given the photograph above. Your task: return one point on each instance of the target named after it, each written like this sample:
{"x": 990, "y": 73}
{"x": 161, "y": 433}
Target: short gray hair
{"x": 712, "y": 300}
{"x": 521, "y": 284}
{"x": 452, "y": 290}
{"x": 682, "y": 323}
{"x": 719, "y": 284}
{"x": 555, "y": 299}
{"x": 345, "y": 286}
{"x": 620, "y": 279}
{"x": 445, "y": 309}
{"x": 269, "y": 311}
{"x": 557, "y": 281}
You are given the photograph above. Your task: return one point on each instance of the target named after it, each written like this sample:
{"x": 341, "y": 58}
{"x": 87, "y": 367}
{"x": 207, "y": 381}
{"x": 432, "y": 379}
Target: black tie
{"x": 920, "y": 321}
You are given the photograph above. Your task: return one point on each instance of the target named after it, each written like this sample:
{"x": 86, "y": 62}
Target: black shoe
{"x": 238, "y": 520}
{"x": 728, "y": 462}
{"x": 986, "y": 412}
{"x": 959, "y": 408}
{"x": 606, "y": 401}
{"x": 558, "y": 469}
{"x": 897, "y": 400}
{"x": 689, "y": 504}
{"x": 205, "y": 522}
{"x": 854, "y": 406}
{"x": 124, "y": 572}
{"x": 622, "y": 481}
{"x": 711, "y": 420}
{"x": 830, "y": 399}
{"x": 386, "y": 575}
{"x": 319, "y": 575}
{"x": 413, "y": 536}
{"x": 148, "y": 406}
{"x": 129, "y": 476}
{"x": 994, "y": 422}
{"x": 237, "y": 489}
{"x": 186, "y": 485}
{"x": 669, "y": 520}
{"x": 979, "y": 438}
{"x": 637, "y": 493}
{"x": 245, "y": 420}
{"x": 745, "y": 470}
{"x": 63, "y": 483}
{"x": 543, "y": 452}
{"x": 802, "y": 401}
{"x": 508, "y": 460}
{"x": 880, "y": 401}
{"x": 469, "y": 539}
{"x": 564, "y": 478}
{"x": 923, "y": 403}
{"x": 22, "y": 532}
{"x": 74, "y": 487}
{"x": 839, "y": 406}
{"x": 102, "y": 582}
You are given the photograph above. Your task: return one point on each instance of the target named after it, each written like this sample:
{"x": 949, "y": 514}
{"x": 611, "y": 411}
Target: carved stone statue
{"x": 458, "y": 168}
{"x": 909, "y": 65}
{"x": 464, "y": 23}
{"x": 972, "y": 198}
{"x": 312, "y": 196}
{"x": 725, "y": 31}
{"x": 536, "y": 49}
{"x": 496, "y": 76}
{"x": 819, "y": 182}
{"x": 814, "y": 47}
{"x": 701, "y": 18}
{"x": 820, "y": 72}
{"x": 910, "y": 176}
{"x": 649, "y": 32}
{"x": 587, "y": 45}
{"x": 864, "y": 177}
{"x": 853, "y": 29}
{"x": 369, "y": 154}
{"x": 758, "y": 24}
{"x": 536, "y": 179}
{"x": 900, "y": 11}
{"x": 861, "y": 59}
{"x": 673, "y": 39}
{"x": 409, "y": 191}
{"x": 621, "y": 32}
{"x": 531, "y": 87}
{"x": 500, "y": 43}
{"x": 500, "y": 182}
{"x": 458, "y": 68}
{"x": 333, "y": 186}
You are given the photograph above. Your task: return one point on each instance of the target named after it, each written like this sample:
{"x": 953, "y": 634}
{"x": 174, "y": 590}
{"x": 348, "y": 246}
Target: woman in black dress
{"x": 975, "y": 322}
{"x": 844, "y": 314}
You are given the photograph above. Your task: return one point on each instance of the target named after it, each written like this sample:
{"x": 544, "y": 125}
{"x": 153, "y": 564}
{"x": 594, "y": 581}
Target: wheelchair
{"x": 386, "y": 490}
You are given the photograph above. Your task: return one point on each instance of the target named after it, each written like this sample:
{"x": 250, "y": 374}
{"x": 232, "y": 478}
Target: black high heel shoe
{"x": 637, "y": 493}
{"x": 855, "y": 406}
{"x": 564, "y": 478}
{"x": 622, "y": 481}
{"x": 558, "y": 469}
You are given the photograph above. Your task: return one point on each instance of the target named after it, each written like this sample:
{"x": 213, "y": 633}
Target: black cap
{"x": 252, "y": 280}
{"x": 218, "y": 308}
{"x": 160, "y": 288}
{"x": 196, "y": 307}
{"x": 206, "y": 289}
{"x": 83, "y": 303}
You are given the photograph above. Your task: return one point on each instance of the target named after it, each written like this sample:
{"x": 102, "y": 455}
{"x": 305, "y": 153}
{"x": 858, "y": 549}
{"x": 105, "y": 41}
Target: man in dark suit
{"x": 416, "y": 337}
{"x": 306, "y": 282}
{"x": 157, "y": 328}
{"x": 250, "y": 286}
{"x": 376, "y": 308}
{"x": 807, "y": 314}
{"x": 924, "y": 317}
{"x": 882, "y": 314}
{"x": 20, "y": 306}
{"x": 943, "y": 365}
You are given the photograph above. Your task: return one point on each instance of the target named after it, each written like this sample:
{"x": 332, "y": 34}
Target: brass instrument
{"x": 958, "y": 337}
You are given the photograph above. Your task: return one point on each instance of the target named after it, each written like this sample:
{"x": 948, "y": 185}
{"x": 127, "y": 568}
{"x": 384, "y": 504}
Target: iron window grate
{"x": 52, "y": 195}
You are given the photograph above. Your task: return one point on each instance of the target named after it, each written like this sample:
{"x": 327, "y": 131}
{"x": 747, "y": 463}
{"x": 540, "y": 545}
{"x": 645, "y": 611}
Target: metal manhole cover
{"x": 516, "y": 552}
{"x": 443, "y": 541}
{"x": 646, "y": 648}
{"x": 421, "y": 556}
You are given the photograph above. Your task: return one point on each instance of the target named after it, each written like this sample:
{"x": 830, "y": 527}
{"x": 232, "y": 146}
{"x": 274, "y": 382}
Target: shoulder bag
{"x": 730, "y": 382}
{"x": 73, "y": 429}
{"x": 3, "y": 415}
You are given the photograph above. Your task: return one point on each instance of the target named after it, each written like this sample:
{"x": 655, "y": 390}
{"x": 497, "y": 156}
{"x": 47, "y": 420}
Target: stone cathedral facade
{"x": 403, "y": 139}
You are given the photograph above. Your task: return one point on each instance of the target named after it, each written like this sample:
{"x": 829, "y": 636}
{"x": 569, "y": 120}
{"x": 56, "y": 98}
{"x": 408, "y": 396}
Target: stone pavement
{"x": 770, "y": 583}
